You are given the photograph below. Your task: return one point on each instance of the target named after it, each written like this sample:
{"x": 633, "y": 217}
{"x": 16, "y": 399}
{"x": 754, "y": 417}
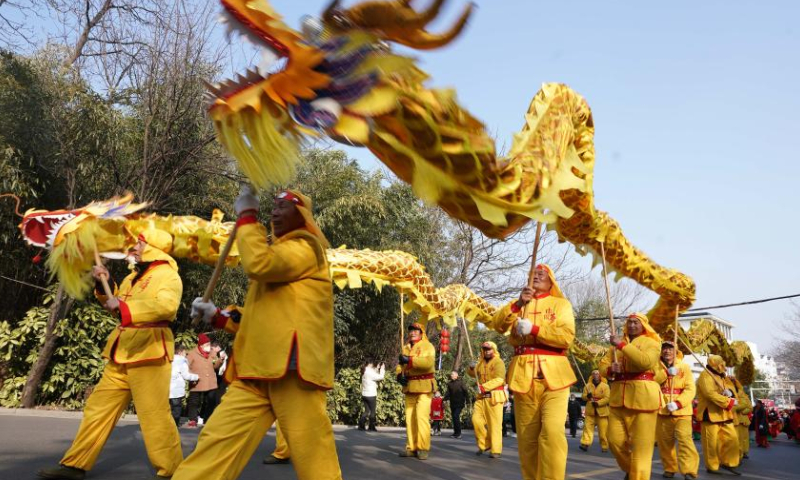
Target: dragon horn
{"x": 422, "y": 40}
{"x": 327, "y": 15}
{"x": 424, "y": 18}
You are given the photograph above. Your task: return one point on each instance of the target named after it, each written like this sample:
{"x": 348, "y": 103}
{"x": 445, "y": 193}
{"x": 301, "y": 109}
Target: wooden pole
{"x": 577, "y": 367}
{"x": 212, "y": 282}
{"x": 532, "y": 270}
{"x": 675, "y": 350}
{"x": 402, "y": 322}
{"x": 103, "y": 279}
{"x": 608, "y": 299}
{"x": 466, "y": 335}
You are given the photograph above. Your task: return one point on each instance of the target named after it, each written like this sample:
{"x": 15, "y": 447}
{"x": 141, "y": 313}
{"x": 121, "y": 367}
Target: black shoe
{"x": 273, "y": 460}
{"x": 494, "y": 455}
{"x": 745, "y": 456}
{"x": 668, "y": 474}
{"x": 479, "y": 452}
{"x": 713, "y": 472}
{"x": 690, "y": 476}
{"x": 583, "y": 447}
{"x": 731, "y": 469}
{"x": 604, "y": 450}
{"x": 62, "y": 472}
{"x": 407, "y": 453}
{"x": 456, "y": 436}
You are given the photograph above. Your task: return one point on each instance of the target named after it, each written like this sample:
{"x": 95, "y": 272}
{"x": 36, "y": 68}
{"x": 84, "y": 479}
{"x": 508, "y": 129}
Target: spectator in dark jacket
{"x": 760, "y": 424}
{"x": 457, "y": 394}
{"x": 574, "y": 412}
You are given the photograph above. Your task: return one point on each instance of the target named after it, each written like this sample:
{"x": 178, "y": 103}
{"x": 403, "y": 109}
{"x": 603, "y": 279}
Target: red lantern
{"x": 444, "y": 343}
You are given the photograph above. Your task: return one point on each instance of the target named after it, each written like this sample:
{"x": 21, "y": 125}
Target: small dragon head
{"x": 72, "y": 237}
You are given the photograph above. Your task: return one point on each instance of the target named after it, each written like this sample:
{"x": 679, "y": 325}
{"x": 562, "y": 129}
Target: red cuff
{"x": 730, "y": 404}
{"x": 247, "y": 218}
{"x": 535, "y": 330}
{"x": 515, "y": 308}
{"x": 678, "y": 404}
{"x": 220, "y": 320}
{"x": 620, "y": 345}
{"x": 125, "y": 314}
{"x": 481, "y": 387}
{"x": 410, "y": 362}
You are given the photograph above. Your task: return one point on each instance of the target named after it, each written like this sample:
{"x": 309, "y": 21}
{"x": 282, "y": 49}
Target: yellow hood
{"x": 716, "y": 363}
{"x": 305, "y": 207}
{"x": 555, "y": 290}
{"x": 648, "y": 330}
{"x": 159, "y": 244}
{"x": 494, "y": 349}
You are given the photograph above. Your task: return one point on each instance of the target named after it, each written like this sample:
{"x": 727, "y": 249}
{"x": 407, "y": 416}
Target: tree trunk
{"x": 57, "y": 309}
{"x": 459, "y": 347}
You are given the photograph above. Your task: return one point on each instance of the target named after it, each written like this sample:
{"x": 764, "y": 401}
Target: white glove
{"x": 205, "y": 309}
{"x": 727, "y": 393}
{"x": 524, "y": 327}
{"x": 478, "y": 390}
{"x": 245, "y": 201}
{"x": 672, "y": 371}
{"x": 672, "y": 406}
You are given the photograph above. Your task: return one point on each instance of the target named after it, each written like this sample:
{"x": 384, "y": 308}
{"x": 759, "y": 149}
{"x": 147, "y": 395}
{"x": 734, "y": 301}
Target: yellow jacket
{"x": 553, "y": 329}
{"x": 600, "y": 394}
{"x": 491, "y": 376}
{"x": 639, "y": 357}
{"x": 744, "y": 408}
{"x": 422, "y": 357}
{"x": 680, "y": 388}
{"x": 146, "y": 306}
{"x": 289, "y": 303}
{"x": 710, "y": 398}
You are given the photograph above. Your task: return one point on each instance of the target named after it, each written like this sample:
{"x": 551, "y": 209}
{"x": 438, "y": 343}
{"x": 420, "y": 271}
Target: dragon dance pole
{"x": 466, "y": 334}
{"x": 532, "y": 271}
{"x": 212, "y": 282}
{"x": 608, "y": 299}
{"x": 578, "y": 368}
{"x": 705, "y": 367}
{"x": 402, "y": 322}
{"x": 675, "y": 345}
{"x": 103, "y": 279}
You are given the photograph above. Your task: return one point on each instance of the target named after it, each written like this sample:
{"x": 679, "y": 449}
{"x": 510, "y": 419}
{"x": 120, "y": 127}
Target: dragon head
{"x": 338, "y": 73}
{"x": 72, "y": 237}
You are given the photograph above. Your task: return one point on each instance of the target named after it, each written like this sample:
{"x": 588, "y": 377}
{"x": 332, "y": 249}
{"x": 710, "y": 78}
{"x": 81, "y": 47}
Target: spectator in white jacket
{"x": 177, "y": 384}
{"x": 369, "y": 393}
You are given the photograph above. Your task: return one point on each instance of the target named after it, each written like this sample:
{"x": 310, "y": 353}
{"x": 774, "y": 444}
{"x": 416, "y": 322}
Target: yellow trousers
{"x": 540, "y": 415}
{"x": 631, "y": 437}
{"x": 281, "y": 447}
{"x": 670, "y": 430}
{"x": 418, "y": 424}
{"x": 744, "y": 439}
{"x": 487, "y": 420}
{"x": 602, "y": 430}
{"x": 148, "y": 385}
{"x": 248, "y": 410}
{"x": 720, "y": 444}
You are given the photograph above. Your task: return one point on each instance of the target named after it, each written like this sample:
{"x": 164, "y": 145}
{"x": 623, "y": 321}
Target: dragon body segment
{"x": 378, "y": 99}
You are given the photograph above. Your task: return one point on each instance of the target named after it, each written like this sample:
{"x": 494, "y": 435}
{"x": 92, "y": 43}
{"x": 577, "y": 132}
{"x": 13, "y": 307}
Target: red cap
{"x": 203, "y": 338}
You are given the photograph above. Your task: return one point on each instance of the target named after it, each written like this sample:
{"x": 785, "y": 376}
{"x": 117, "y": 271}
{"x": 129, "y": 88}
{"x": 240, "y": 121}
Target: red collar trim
{"x": 204, "y": 354}
{"x": 542, "y": 295}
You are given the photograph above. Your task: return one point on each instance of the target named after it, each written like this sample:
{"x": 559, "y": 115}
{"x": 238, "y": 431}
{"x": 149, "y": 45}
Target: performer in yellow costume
{"x": 596, "y": 394}
{"x": 539, "y": 375}
{"x": 635, "y": 396}
{"x": 741, "y": 413}
{"x": 675, "y": 418}
{"x": 415, "y": 373}
{"x": 282, "y": 359}
{"x": 139, "y": 353}
{"x": 487, "y": 413}
{"x": 715, "y": 403}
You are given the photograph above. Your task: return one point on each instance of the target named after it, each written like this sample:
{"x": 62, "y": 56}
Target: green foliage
{"x": 76, "y": 364}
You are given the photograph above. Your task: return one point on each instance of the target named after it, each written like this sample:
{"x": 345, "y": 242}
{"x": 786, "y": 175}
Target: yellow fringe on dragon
{"x": 342, "y": 80}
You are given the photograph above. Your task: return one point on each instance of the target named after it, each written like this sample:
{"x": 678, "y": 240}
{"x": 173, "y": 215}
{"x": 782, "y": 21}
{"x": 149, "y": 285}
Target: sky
{"x": 695, "y": 107}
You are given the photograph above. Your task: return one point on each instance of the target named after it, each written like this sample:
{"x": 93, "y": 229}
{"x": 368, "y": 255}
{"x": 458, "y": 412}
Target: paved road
{"x": 28, "y": 443}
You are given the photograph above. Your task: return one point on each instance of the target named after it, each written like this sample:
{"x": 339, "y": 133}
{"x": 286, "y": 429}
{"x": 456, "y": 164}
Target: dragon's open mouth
{"x": 41, "y": 229}
{"x": 240, "y": 23}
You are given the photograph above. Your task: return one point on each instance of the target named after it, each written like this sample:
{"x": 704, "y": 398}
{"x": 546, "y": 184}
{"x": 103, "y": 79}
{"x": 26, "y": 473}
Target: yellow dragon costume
{"x": 342, "y": 80}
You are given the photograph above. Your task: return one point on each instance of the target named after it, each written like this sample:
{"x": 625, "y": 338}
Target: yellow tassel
{"x": 72, "y": 259}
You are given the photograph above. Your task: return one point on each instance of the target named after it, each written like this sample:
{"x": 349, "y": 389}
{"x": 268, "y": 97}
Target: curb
{"x": 32, "y": 412}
